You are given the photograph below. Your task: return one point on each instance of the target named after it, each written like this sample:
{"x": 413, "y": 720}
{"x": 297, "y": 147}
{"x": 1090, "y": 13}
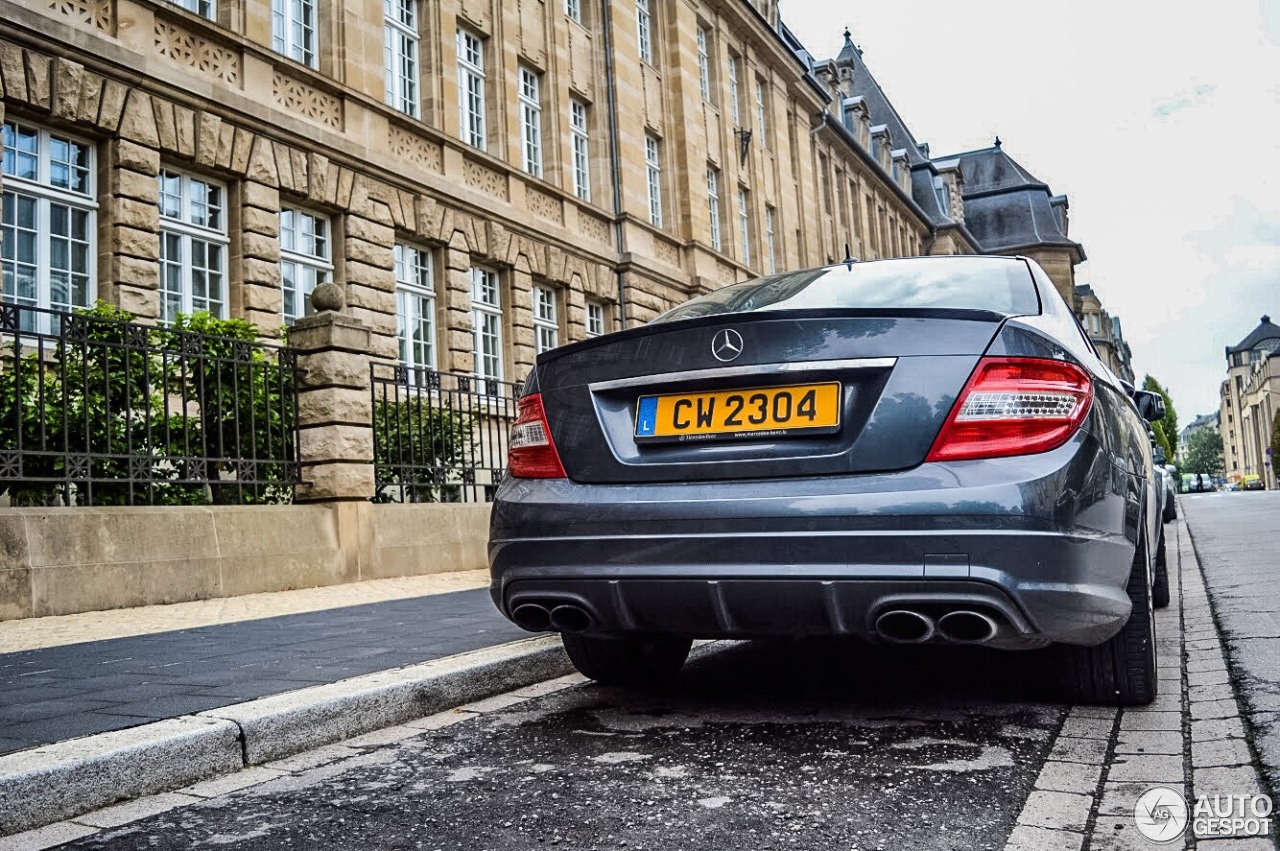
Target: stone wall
{"x": 58, "y": 561}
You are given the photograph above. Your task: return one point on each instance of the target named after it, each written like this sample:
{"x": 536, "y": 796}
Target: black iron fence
{"x": 439, "y": 436}
{"x": 98, "y": 410}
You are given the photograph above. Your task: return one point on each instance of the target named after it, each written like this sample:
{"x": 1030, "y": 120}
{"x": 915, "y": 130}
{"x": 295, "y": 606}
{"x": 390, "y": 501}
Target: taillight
{"x": 1014, "y": 406}
{"x": 531, "y": 453}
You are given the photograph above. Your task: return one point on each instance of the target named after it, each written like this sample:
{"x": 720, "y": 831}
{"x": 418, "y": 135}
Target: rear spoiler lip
{"x": 718, "y": 319}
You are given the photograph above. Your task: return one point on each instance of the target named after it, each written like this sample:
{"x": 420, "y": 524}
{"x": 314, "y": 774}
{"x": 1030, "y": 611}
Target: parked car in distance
{"x": 1252, "y": 483}
{"x": 920, "y": 450}
{"x": 1170, "y": 479}
{"x": 1197, "y": 483}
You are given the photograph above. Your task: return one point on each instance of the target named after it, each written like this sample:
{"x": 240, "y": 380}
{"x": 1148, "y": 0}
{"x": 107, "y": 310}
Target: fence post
{"x": 335, "y": 418}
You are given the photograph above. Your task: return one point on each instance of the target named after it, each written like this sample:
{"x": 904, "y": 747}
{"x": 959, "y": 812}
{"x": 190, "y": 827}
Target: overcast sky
{"x": 1161, "y": 122}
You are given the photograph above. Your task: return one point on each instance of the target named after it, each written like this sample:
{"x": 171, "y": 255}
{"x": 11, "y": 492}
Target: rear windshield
{"x": 1001, "y": 285}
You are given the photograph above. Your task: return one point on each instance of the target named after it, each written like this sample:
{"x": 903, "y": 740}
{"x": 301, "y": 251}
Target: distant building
{"x": 1200, "y": 423}
{"x": 1105, "y": 332}
{"x": 1250, "y": 399}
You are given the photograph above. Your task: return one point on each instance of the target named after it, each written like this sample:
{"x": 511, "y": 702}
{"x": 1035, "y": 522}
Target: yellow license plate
{"x": 754, "y": 412}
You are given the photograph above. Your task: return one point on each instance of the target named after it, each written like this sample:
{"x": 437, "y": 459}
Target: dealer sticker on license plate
{"x": 750, "y": 413}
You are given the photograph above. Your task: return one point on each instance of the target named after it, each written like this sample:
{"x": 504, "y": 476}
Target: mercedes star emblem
{"x": 726, "y": 345}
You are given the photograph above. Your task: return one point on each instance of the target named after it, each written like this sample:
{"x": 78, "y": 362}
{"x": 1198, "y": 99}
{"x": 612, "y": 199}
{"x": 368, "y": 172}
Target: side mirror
{"x": 1150, "y": 405}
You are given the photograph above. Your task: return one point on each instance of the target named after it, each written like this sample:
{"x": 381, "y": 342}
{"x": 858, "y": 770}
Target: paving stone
{"x": 49, "y": 836}
{"x": 1119, "y": 799}
{"x": 1217, "y": 691}
{"x": 1090, "y": 751}
{"x": 1149, "y": 742}
{"x": 312, "y": 758}
{"x": 233, "y": 782}
{"x": 1141, "y": 719}
{"x": 1077, "y": 777}
{"x": 1027, "y": 838}
{"x": 385, "y": 736}
{"x": 1207, "y": 709}
{"x": 1223, "y": 752}
{"x": 1057, "y": 810}
{"x": 1086, "y": 728}
{"x": 1255, "y": 843}
{"x": 441, "y": 720}
{"x": 1145, "y": 768}
{"x": 1120, "y": 833}
{"x": 1209, "y": 678}
{"x": 1217, "y": 728}
{"x": 1237, "y": 780}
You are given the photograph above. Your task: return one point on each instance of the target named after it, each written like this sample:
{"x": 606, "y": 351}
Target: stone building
{"x": 486, "y": 180}
{"x": 1250, "y": 400}
{"x": 1105, "y": 331}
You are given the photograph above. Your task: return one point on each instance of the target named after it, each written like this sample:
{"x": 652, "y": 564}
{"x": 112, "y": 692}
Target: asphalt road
{"x": 760, "y": 747}
{"x": 1234, "y": 536}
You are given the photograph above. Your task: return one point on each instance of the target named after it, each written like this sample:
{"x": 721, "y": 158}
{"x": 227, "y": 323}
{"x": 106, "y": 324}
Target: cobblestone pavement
{"x": 807, "y": 746}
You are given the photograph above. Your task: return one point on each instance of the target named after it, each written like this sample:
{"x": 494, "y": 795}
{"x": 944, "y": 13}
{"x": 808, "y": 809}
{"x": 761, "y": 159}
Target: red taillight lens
{"x": 531, "y": 454}
{"x": 1014, "y": 406}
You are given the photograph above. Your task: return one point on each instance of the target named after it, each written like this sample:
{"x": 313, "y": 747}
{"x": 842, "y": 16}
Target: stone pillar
{"x": 518, "y": 308}
{"x": 335, "y": 421}
{"x": 130, "y": 228}
{"x": 260, "y": 300}
{"x": 369, "y": 266}
{"x": 455, "y": 295}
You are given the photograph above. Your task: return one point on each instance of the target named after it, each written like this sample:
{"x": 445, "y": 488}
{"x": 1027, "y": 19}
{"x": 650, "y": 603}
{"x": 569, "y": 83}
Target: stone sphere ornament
{"x": 328, "y": 296}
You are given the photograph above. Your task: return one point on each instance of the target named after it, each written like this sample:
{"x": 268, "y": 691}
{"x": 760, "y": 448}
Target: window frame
{"x": 644, "y": 31}
{"x": 44, "y": 194}
{"x": 483, "y": 276}
{"x": 472, "y": 90}
{"x": 285, "y": 20}
{"x": 580, "y": 147}
{"x": 573, "y": 10}
{"x": 762, "y": 114}
{"x": 653, "y": 177}
{"x": 713, "y": 207}
{"x": 770, "y": 246}
{"x": 412, "y": 291}
{"x": 529, "y": 100}
{"x": 735, "y": 110}
{"x": 704, "y": 62}
{"x": 207, "y": 9}
{"x": 188, "y": 232}
{"x": 595, "y": 322}
{"x": 546, "y": 318}
{"x": 744, "y": 223}
{"x": 321, "y": 265}
{"x": 401, "y": 46}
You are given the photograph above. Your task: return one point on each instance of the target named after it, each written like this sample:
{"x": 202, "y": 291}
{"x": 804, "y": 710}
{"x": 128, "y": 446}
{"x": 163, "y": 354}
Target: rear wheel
{"x": 1160, "y": 584}
{"x": 1122, "y": 670}
{"x": 627, "y": 661}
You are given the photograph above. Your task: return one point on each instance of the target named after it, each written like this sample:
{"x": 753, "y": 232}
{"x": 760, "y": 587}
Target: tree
{"x": 1166, "y": 428}
{"x": 1275, "y": 440}
{"x": 1204, "y": 452}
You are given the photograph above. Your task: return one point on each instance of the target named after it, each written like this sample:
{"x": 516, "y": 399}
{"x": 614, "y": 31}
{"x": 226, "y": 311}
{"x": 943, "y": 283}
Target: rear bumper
{"x": 1043, "y": 544}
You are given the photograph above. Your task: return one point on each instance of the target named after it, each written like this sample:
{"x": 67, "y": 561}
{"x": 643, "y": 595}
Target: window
{"x": 415, "y": 307}
{"x": 704, "y": 64}
{"x": 653, "y": 167}
{"x": 771, "y": 265}
{"x": 595, "y": 319}
{"x": 203, "y": 8}
{"x": 573, "y": 9}
{"x": 546, "y": 327}
{"x": 733, "y": 90}
{"x": 944, "y": 195}
{"x": 744, "y": 225}
{"x": 486, "y": 322}
{"x": 530, "y": 122}
{"x": 713, "y": 206}
{"x": 293, "y": 29}
{"x": 401, "y": 44}
{"x": 644, "y": 22}
{"x": 193, "y": 246}
{"x": 304, "y": 259}
{"x": 762, "y": 114}
{"x": 825, "y": 179}
{"x": 471, "y": 89}
{"x": 47, "y": 223}
{"x": 580, "y": 142}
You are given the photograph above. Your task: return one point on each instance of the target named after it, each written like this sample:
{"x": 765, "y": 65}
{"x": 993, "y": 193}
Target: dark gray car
{"x": 915, "y": 450}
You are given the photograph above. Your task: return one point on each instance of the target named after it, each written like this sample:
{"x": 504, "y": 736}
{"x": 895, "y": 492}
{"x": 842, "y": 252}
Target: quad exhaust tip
{"x": 569, "y": 618}
{"x": 904, "y": 625}
{"x": 535, "y": 617}
{"x": 966, "y": 627}
{"x": 532, "y": 617}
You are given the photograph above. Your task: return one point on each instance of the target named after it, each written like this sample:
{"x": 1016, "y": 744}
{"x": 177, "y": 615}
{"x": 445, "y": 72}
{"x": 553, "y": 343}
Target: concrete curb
{"x": 58, "y": 781}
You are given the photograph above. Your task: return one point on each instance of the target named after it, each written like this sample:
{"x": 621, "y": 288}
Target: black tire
{"x": 1122, "y": 670}
{"x": 1160, "y": 583}
{"x": 627, "y": 661}
{"x": 1170, "y": 509}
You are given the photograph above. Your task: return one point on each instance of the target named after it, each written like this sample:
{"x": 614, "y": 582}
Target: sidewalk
{"x": 102, "y": 707}
{"x": 77, "y": 675}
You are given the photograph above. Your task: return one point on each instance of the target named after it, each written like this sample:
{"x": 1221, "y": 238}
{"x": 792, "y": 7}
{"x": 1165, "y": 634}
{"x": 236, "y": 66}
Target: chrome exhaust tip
{"x": 904, "y": 625}
{"x": 532, "y": 617}
{"x": 570, "y": 619}
{"x": 966, "y": 627}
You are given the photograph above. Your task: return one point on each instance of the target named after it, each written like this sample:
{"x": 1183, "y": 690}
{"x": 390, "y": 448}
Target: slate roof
{"x": 1267, "y": 330}
{"x": 1006, "y": 207}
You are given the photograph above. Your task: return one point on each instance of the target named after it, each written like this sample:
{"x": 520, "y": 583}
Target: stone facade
{"x": 1105, "y": 331}
{"x": 1250, "y": 402}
